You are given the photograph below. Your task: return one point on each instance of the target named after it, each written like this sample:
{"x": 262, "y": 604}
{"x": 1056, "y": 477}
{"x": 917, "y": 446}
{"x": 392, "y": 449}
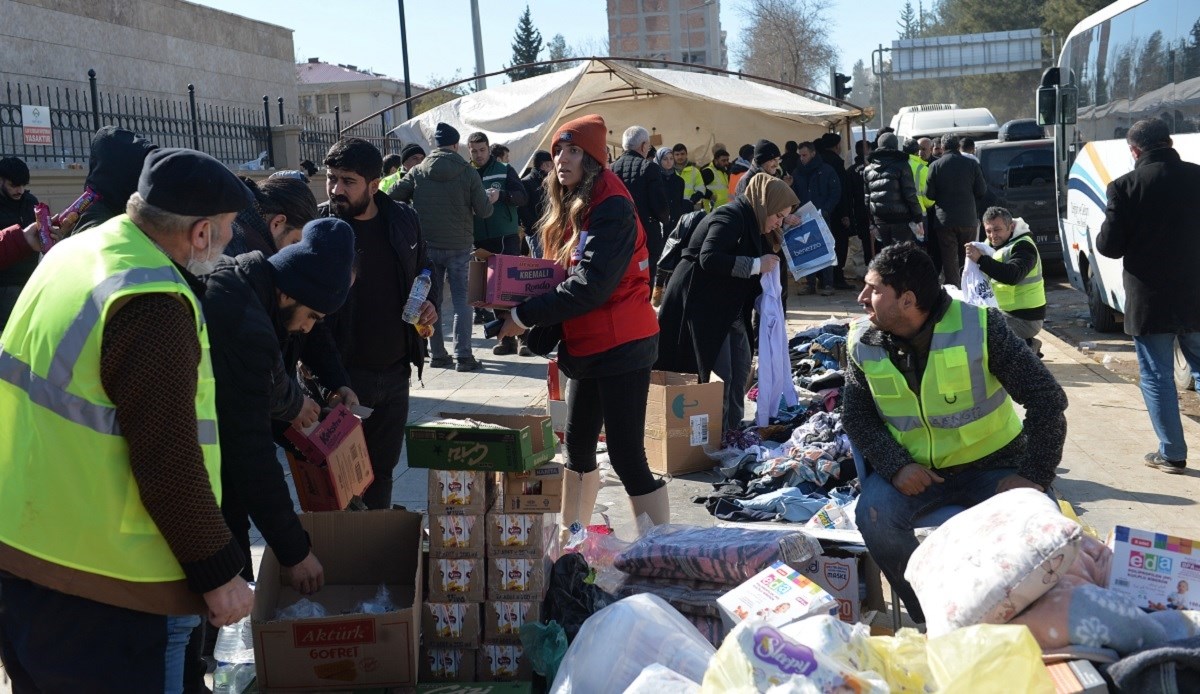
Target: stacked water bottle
{"x": 234, "y": 654}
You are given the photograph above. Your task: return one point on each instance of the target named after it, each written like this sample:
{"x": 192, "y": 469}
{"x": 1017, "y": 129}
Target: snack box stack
{"x": 517, "y": 547}
{"x": 450, "y": 619}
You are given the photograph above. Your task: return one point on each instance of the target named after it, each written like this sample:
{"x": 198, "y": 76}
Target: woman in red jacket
{"x": 609, "y": 330}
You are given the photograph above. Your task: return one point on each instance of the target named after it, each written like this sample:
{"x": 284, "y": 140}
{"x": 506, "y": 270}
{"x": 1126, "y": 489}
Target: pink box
{"x": 333, "y": 465}
{"x": 504, "y": 281}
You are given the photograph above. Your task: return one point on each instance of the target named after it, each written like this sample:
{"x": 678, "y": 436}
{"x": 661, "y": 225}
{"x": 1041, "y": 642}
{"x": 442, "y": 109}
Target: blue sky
{"x": 366, "y": 33}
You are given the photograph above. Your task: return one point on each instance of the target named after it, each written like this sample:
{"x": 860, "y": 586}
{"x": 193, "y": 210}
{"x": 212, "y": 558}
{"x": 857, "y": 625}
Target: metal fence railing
{"x": 318, "y": 135}
{"x": 239, "y": 137}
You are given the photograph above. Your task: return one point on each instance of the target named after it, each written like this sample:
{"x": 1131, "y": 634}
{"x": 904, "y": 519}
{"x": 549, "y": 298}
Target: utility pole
{"x": 404, "y": 56}
{"x": 481, "y": 82}
{"x": 878, "y": 71}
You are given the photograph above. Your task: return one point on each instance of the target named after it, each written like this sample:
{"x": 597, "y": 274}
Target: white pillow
{"x": 986, "y": 564}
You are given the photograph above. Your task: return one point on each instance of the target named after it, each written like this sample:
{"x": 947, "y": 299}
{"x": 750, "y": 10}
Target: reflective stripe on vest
{"x": 1030, "y": 292}
{"x": 68, "y": 488}
{"x": 962, "y": 413}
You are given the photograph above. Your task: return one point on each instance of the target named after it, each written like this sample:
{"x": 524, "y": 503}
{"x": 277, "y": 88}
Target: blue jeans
{"x": 1156, "y": 362}
{"x": 55, "y": 642}
{"x": 887, "y": 517}
{"x": 452, "y": 264}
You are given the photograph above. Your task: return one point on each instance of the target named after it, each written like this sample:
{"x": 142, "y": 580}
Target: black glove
{"x": 708, "y": 194}
{"x": 697, "y": 197}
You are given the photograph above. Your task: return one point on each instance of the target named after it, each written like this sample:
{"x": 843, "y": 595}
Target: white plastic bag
{"x": 976, "y": 288}
{"x": 658, "y": 679}
{"x": 620, "y": 641}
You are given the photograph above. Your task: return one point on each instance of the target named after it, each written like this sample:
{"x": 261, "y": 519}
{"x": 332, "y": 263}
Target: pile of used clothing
{"x": 799, "y": 463}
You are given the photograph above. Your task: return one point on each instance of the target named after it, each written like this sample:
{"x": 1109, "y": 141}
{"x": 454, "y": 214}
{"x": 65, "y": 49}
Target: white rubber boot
{"x": 578, "y": 500}
{"x": 656, "y": 505}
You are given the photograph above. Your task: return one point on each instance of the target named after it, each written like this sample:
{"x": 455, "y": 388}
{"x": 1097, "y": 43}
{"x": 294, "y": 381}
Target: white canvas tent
{"x": 694, "y": 108}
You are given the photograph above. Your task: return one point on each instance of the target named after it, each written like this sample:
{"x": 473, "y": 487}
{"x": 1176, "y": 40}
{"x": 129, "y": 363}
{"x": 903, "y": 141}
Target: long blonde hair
{"x": 562, "y": 221}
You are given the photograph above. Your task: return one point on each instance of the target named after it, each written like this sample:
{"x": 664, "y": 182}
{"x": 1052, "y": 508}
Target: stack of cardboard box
{"x": 450, "y": 621}
{"x": 479, "y": 551}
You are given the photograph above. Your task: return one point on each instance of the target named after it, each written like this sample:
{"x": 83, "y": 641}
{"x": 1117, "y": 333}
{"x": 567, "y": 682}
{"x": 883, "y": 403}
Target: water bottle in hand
{"x": 417, "y": 297}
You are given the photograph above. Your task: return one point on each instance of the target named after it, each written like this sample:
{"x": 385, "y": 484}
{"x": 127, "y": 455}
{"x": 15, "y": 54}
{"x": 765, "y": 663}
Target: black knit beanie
{"x": 316, "y": 271}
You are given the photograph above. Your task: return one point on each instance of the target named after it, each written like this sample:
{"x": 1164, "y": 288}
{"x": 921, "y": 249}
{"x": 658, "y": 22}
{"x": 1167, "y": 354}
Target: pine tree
{"x": 908, "y": 22}
{"x": 527, "y": 46}
{"x": 557, "y": 49}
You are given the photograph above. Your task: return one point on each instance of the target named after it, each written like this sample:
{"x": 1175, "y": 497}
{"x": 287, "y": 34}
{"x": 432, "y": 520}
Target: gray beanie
{"x": 888, "y": 141}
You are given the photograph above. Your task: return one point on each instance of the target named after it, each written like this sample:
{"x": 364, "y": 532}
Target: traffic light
{"x": 841, "y": 85}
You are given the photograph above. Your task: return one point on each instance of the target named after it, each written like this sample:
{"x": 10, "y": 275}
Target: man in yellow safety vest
{"x": 928, "y": 403}
{"x": 1015, "y": 273}
{"x": 112, "y": 541}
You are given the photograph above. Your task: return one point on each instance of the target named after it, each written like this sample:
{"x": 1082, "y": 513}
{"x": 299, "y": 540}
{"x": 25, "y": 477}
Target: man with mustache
{"x": 929, "y": 404}
{"x": 377, "y": 346}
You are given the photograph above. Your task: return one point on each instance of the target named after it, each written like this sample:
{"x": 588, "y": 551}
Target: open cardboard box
{"x": 348, "y": 649}
{"x": 683, "y": 417}
{"x": 333, "y": 465}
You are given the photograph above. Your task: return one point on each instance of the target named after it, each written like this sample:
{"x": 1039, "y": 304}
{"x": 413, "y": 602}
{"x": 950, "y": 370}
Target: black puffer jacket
{"x": 644, "y": 180}
{"x": 891, "y": 192}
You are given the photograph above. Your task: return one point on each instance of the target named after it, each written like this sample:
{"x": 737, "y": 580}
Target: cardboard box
{"x": 347, "y": 650}
{"x": 852, "y": 578}
{"x": 468, "y": 492}
{"x": 558, "y": 386}
{"x": 333, "y": 466}
{"x": 779, "y": 595}
{"x": 522, "y": 443}
{"x": 457, "y": 537}
{"x": 538, "y": 490}
{"x": 477, "y": 688}
{"x": 443, "y": 664}
{"x": 504, "y": 281}
{"x": 683, "y": 416}
{"x": 1158, "y": 571}
{"x": 451, "y": 624}
{"x": 516, "y": 578}
{"x": 502, "y": 619}
{"x": 456, "y": 580}
{"x": 1076, "y": 677}
{"x": 519, "y": 534}
{"x": 502, "y": 662}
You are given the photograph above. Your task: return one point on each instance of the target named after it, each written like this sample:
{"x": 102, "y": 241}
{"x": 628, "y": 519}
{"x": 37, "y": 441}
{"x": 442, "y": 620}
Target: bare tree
{"x": 786, "y": 40}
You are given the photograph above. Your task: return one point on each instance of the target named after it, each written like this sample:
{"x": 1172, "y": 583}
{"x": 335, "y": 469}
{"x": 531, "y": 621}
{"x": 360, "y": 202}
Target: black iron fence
{"x": 239, "y": 137}
{"x": 318, "y": 135}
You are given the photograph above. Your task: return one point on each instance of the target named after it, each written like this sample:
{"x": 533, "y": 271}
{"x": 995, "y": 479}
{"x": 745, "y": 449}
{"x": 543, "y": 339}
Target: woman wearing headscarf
{"x": 707, "y": 305}
{"x": 609, "y": 333}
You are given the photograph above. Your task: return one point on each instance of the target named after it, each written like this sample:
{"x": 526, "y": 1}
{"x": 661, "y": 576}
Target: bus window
{"x": 1151, "y": 92}
{"x": 1186, "y": 104}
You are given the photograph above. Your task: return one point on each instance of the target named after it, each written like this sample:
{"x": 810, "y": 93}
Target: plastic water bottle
{"x": 235, "y": 643}
{"x": 417, "y": 297}
{"x": 235, "y": 654}
{"x": 233, "y": 678}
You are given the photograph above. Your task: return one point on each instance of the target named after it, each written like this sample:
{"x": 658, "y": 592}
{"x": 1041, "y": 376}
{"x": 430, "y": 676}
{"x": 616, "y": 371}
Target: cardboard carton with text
{"x": 332, "y": 465}
{"x": 349, "y": 649}
{"x": 683, "y": 417}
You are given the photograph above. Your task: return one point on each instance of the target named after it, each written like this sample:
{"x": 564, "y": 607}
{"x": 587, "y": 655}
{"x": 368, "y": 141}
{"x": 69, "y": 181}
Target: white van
{"x": 932, "y": 120}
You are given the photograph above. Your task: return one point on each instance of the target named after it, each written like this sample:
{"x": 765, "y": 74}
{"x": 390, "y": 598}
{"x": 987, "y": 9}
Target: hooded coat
{"x": 448, "y": 195}
{"x": 113, "y": 168}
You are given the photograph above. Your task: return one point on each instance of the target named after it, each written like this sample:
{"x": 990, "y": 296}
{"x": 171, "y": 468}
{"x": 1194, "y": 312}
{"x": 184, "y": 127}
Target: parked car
{"x": 1020, "y": 178}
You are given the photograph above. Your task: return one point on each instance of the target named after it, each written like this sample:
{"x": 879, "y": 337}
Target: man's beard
{"x": 285, "y": 319}
{"x": 343, "y": 208}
